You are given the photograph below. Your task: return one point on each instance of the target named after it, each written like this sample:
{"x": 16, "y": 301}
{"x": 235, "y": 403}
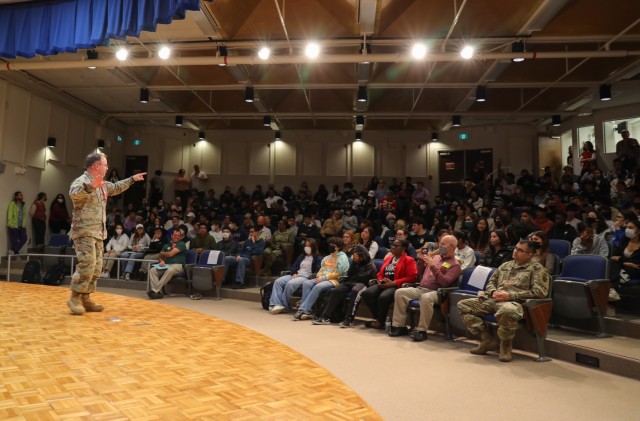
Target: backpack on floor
{"x": 55, "y": 275}
{"x": 265, "y": 295}
{"x": 31, "y": 273}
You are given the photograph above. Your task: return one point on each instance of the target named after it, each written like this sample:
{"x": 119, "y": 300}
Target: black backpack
{"x": 55, "y": 275}
{"x": 31, "y": 273}
{"x": 265, "y": 295}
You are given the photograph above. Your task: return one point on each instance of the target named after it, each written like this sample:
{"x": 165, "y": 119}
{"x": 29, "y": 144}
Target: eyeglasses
{"x": 519, "y": 250}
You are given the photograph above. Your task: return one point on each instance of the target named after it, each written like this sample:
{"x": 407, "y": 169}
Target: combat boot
{"x": 487, "y": 343}
{"x": 90, "y": 305}
{"x": 75, "y": 303}
{"x": 505, "y": 351}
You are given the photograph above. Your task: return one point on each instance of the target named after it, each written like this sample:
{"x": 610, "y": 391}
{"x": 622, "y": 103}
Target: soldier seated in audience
{"x": 281, "y": 244}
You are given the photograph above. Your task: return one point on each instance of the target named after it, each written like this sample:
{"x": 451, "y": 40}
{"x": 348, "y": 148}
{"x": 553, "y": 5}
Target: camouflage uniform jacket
{"x": 89, "y": 205}
{"x": 530, "y": 280}
{"x": 282, "y": 239}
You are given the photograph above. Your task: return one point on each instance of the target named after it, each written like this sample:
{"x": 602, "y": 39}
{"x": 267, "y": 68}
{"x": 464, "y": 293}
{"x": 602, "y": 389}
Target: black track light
{"x": 481, "y": 93}
{"x": 517, "y": 47}
{"x": 358, "y": 135}
{"x": 222, "y": 52}
{"x": 556, "y": 120}
{"x": 51, "y": 142}
{"x": 179, "y": 120}
{"x": 266, "y": 121}
{"x": 101, "y": 143}
{"x": 277, "y": 136}
{"x": 359, "y": 122}
{"x": 456, "y": 121}
{"x": 362, "y": 94}
{"x": 434, "y": 136}
{"x": 248, "y": 94}
{"x": 144, "y": 95}
{"x": 605, "y": 92}
{"x": 201, "y": 136}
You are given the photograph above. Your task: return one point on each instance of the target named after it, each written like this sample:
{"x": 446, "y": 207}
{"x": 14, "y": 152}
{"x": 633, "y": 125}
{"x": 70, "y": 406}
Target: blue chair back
{"x": 466, "y": 277}
{"x": 561, "y": 248}
{"x": 59, "y": 240}
{"x": 382, "y": 251}
{"x": 378, "y": 263}
{"x": 584, "y": 267}
{"x": 190, "y": 258}
{"x": 211, "y": 258}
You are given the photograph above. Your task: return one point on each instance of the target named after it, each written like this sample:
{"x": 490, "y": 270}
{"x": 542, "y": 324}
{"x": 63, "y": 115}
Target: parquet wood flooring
{"x": 145, "y": 360}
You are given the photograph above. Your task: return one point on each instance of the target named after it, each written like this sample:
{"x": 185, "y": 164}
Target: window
{"x": 613, "y": 128}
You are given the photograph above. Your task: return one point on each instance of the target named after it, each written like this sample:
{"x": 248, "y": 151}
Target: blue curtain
{"x": 50, "y": 27}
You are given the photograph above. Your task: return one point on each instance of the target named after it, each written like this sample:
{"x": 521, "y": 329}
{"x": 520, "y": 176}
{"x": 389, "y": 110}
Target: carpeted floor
{"x": 436, "y": 379}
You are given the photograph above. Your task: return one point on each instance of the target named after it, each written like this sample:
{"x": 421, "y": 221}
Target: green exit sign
{"x": 137, "y": 142}
{"x": 463, "y": 136}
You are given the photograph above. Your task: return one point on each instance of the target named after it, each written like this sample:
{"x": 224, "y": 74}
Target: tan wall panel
{"x": 75, "y": 141}
{"x": 285, "y": 158}
{"x": 58, "y": 118}
{"x": 363, "y": 158}
{"x": 39, "y": 110}
{"x": 14, "y": 133}
{"x": 259, "y": 158}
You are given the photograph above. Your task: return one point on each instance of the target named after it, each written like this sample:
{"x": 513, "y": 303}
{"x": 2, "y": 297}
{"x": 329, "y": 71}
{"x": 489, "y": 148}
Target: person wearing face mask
{"x": 542, "y": 254}
{"x": 59, "y": 218}
{"x": 397, "y": 269}
{"x": 588, "y": 242}
{"x": 349, "y": 220}
{"x": 625, "y": 259}
{"x": 114, "y": 248}
{"x": 439, "y": 271}
{"x": 332, "y": 268}
{"x": 302, "y": 269}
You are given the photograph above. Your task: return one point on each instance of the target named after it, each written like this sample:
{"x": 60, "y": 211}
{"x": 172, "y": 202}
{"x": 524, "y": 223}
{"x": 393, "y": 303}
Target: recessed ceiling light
{"x": 164, "y": 52}
{"x": 467, "y": 52}
{"x": 418, "y": 51}
{"x": 122, "y": 54}
{"x": 312, "y": 50}
{"x": 264, "y": 53}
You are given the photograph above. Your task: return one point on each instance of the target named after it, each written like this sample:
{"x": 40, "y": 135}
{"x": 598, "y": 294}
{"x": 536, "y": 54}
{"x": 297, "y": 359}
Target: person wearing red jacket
{"x": 398, "y": 268}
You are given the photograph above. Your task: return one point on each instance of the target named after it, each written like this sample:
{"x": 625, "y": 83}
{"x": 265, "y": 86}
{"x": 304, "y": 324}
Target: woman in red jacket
{"x": 398, "y": 268}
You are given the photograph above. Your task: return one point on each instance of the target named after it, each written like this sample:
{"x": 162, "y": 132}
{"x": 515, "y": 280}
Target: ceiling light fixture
{"x": 179, "y": 120}
{"x": 264, "y": 53}
{"x": 248, "y": 94}
{"x": 434, "y": 136}
{"x": 201, "y": 136}
{"x": 277, "y": 136}
{"x": 312, "y": 50}
{"x": 92, "y": 55}
{"x": 362, "y": 93}
{"x": 556, "y": 120}
{"x": 456, "y": 121}
{"x": 358, "y": 136}
{"x": 365, "y": 50}
{"x": 516, "y": 48}
{"x": 359, "y": 122}
{"x": 144, "y": 95}
{"x": 222, "y": 52}
{"x": 100, "y": 143}
{"x": 481, "y": 93}
{"x": 467, "y": 52}
{"x": 605, "y": 92}
{"x": 164, "y": 52}
{"x": 419, "y": 51}
{"x": 266, "y": 121}
{"x": 122, "y": 54}
{"x": 51, "y": 142}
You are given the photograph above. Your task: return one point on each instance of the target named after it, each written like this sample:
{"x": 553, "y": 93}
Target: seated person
{"x": 561, "y": 230}
{"x": 332, "y": 268}
{"x": 361, "y": 270}
{"x": 284, "y": 287}
{"x": 203, "y": 240}
{"x": 172, "y": 257}
{"x": 136, "y": 249}
{"x": 253, "y": 246}
{"x": 228, "y": 245}
{"x": 440, "y": 271}
{"x": 349, "y": 242}
{"x": 589, "y": 243}
{"x": 507, "y": 289}
{"x": 403, "y": 234}
{"x": 366, "y": 239}
{"x": 116, "y": 245}
{"x": 397, "y": 269}
{"x": 542, "y": 254}
{"x": 281, "y": 241}
{"x": 465, "y": 254}
{"x": 626, "y": 257}
{"x": 497, "y": 252}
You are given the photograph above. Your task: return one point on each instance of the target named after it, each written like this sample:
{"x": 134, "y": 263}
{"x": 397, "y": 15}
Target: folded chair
{"x": 207, "y": 273}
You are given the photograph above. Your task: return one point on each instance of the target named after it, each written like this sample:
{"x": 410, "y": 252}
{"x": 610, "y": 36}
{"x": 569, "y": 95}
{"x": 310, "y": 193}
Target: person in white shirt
{"x": 216, "y": 231}
{"x": 116, "y": 245}
{"x": 199, "y": 179}
{"x": 463, "y": 253}
{"x": 271, "y": 198}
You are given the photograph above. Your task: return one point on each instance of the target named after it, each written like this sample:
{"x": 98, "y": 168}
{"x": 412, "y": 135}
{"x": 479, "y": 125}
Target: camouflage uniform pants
{"x": 89, "y": 253}
{"x": 507, "y": 313}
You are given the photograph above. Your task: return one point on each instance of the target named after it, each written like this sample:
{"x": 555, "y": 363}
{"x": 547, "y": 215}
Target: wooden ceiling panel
{"x": 595, "y": 17}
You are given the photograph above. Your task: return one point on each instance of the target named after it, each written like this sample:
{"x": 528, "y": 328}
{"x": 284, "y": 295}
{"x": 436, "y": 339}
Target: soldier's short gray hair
{"x": 94, "y": 157}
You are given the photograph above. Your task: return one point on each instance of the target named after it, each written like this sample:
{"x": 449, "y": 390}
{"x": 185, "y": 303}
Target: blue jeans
{"x": 240, "y": 264}
{"x": 131, "y": 255}
{"x": 310, "y": 293}
{"x": 283, "y": 289}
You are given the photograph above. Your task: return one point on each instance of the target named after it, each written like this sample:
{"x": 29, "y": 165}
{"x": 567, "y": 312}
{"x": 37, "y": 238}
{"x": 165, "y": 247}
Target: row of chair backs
{"x": 472, "y": 281}
{"x": 381, "y": 253}
{"x": 207, "y": 273}
{"x": 561, "y": 248}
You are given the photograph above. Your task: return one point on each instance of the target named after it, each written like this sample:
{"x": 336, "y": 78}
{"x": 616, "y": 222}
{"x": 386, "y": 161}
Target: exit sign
{"x": 463, "y": 136}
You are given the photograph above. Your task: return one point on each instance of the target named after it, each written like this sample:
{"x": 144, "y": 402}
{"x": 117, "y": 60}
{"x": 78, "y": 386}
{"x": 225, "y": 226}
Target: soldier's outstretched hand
{"x": 139, "y": 176}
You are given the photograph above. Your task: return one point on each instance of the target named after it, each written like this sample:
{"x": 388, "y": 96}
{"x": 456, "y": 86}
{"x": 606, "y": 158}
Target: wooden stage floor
{"x": 145, "y": 360}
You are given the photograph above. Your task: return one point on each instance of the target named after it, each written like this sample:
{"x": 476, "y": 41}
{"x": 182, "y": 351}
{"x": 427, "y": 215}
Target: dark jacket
{"x": 364, "y": 270}
{"x": 614, "y": 268}
{"x": 494, "y": 260}
{"x": 315, "y": 266}
{"x": 229, "y": 247}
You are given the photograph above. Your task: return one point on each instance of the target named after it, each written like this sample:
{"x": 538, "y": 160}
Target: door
{"x": 134, "y": 165}
{"x": 451, "y": 172}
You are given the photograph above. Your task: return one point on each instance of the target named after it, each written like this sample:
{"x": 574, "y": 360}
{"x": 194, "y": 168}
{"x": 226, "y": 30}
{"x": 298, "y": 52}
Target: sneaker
{"x": 322, "y": 321}
{"x": 104, "y": 274}
{"x": 306, "y": 316}
{"x": 127, "y": 276}
{"x": 347, "y": 322}
{"x": 298, "y": 315}
{"x": 277, "y": 310}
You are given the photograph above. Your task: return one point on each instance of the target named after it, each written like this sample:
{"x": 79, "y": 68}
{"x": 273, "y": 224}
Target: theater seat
{"x": 472, "y": 280}
{"x": 581, "y": 291}
{"x": 207, "y": 273}
{"x": 561, "y": 248}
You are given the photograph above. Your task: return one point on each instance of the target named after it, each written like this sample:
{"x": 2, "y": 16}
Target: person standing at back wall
{"x": 89, "y": 194}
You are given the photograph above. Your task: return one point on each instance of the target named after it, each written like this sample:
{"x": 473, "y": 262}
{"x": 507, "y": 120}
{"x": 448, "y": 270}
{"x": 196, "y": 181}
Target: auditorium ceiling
{"x": 574, "y": 51}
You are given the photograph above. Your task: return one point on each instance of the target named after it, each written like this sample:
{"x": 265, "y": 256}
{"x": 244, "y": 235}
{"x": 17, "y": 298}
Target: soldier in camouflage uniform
{"x": 89, "y": 194}
{"x": 511, "y": 284}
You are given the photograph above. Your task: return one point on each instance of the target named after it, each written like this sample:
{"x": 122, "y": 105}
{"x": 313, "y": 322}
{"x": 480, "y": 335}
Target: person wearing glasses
{"x": 508, "y": 288}
{"x": 89, "y": 194}
{"x": 437, "y": 271}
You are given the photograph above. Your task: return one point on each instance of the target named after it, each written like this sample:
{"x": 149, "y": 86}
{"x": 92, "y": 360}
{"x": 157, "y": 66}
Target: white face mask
{"x": 118, "y": 231}
{"x": 423, "y": 207}
{"x": 60, "y": 200}
{"x": 629, "y": 233}
{"x": 225, "y": 235}
{"x": 307, "y": 250}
